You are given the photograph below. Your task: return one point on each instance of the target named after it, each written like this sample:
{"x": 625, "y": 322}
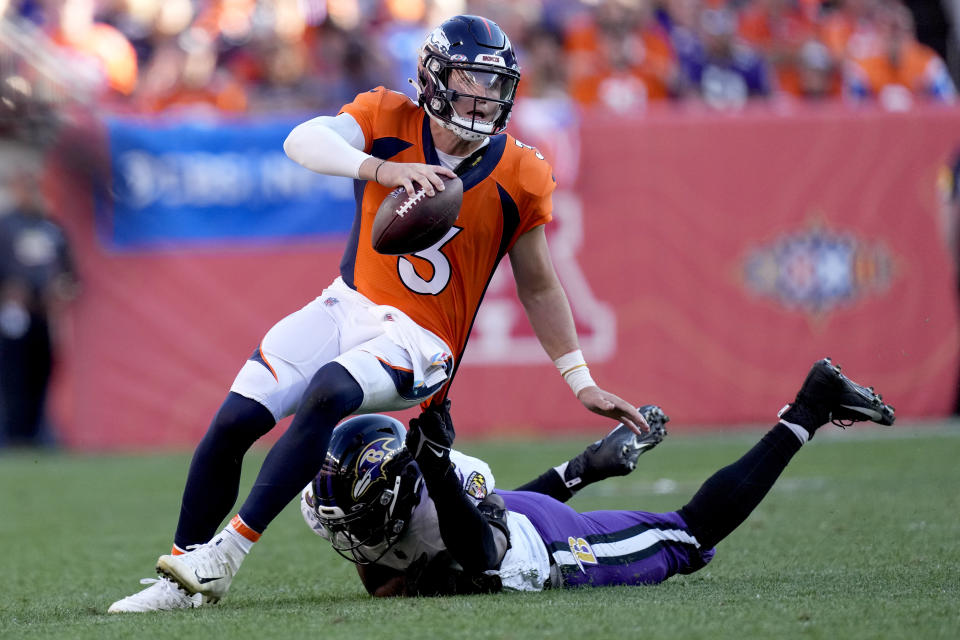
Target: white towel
{"x": 428, "y": 353}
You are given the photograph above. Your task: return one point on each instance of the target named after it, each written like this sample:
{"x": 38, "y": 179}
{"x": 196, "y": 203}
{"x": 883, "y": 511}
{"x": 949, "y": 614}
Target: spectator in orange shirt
{"x": 903, "y": 71}
{"x": 776, "y": 27}
{"x": 817, "y": 73}
{"x": 781, "y": 30}
{"x": 620, "y": 57}
{"x": 98, "y": 44}
{"x": 184, "y": 75}
{"x": 849, "y": 29}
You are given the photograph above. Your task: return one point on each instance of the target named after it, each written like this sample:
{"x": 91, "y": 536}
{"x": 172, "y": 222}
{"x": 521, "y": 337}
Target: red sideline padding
{"x": 710, "y": 261}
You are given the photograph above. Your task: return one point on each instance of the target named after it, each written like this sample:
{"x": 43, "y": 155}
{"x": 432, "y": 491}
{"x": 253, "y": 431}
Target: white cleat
{"x": 161, "y": 595}
{"x": 207, "y": 569}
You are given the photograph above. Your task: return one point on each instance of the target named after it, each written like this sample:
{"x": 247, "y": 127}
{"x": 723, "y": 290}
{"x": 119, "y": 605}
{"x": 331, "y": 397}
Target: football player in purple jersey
{"x": 528, "y": 541}
{"x": 369, "y": 500}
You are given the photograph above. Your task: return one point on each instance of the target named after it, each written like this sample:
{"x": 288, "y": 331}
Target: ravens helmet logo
{"x": 370, "y": 464}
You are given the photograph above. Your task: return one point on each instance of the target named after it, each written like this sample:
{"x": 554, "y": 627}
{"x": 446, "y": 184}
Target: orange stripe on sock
{"x": 241, "y": 527}
{"x": 177, "y": 551}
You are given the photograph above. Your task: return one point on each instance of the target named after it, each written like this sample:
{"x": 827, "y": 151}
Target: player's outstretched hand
{"x": 606, "y": 404}
{"x": 405, "y": 174}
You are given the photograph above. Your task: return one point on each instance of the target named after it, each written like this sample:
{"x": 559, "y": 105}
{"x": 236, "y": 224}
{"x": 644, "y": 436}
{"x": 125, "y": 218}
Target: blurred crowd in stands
{"x": 65, "y": 63}
{"x": 259, "y": 56}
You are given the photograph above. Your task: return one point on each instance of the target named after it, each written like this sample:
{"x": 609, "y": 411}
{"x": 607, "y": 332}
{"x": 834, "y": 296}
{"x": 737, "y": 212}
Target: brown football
{"x": 409, "y": 224}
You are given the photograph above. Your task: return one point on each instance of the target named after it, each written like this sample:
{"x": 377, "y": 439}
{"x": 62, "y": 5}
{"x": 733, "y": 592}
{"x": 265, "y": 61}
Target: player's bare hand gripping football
{"x": 549, "y": 312}
{"x": 405, "y": 174}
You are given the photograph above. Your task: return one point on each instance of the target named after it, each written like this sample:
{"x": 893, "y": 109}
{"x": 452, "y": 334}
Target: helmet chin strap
{"x": 416, "y": 87}
{"x": 460, "y": 132}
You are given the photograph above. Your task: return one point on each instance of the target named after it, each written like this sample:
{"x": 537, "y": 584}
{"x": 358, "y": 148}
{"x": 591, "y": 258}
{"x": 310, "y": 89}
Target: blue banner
{"x": 214, "y": 184}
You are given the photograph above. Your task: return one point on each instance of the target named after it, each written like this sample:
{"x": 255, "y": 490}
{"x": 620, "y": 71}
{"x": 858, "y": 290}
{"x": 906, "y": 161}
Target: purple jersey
{"x": 599, "y": 548}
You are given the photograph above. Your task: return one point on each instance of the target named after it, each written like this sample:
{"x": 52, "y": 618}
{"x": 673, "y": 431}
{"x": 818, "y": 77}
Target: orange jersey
{"x": 505, "y": 194}
{"x": 918, "y": 68}
{"x": 592, "y": 73}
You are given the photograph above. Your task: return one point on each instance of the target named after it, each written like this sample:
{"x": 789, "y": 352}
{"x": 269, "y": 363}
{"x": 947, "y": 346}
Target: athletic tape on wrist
{"x": 575, "y": 371}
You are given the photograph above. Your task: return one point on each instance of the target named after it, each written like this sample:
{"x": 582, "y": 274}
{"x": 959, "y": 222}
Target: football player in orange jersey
{"x": 388, "y": 334}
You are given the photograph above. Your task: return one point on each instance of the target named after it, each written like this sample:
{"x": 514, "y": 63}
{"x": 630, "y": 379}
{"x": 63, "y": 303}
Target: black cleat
{"x": 617, "y": 453}
{"x": 829, "y": 396}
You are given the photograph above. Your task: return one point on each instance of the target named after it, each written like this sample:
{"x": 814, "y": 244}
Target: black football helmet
{"x": 468, "y": 57}
{"x": 368, "y": 487}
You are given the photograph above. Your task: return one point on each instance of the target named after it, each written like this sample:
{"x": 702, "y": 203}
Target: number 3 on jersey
{"x": 441, "y": 267}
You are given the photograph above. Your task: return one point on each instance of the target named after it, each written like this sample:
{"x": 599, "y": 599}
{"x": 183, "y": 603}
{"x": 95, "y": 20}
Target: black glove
{"x": 442, "y": 576}
{"x": 400, "y": 464}
{"x": 396, "y": 464}
{"x": 432, "y": 577}
{"x": 430, "y": 438}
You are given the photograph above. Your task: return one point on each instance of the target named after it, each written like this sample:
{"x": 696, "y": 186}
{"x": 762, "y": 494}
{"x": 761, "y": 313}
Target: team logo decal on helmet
{"x": 439, "y": 40}
{"x": 369, "y": 464}
{"x": 467, "y": 77}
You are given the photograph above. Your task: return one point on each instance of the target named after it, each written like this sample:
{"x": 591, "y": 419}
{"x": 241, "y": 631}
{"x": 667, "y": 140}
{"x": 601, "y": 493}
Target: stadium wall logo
{"x": 818, "y": 270}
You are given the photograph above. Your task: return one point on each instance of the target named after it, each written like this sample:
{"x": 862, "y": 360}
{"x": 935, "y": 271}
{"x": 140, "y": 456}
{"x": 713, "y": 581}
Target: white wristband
{"x": 575, "y": 371}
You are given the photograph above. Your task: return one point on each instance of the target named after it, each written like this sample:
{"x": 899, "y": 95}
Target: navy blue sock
{"x": 296, "y": 458}
{"x": 549, "y": 483}
{"x": 731, "y": 494}
{"x": 213, "y": 481}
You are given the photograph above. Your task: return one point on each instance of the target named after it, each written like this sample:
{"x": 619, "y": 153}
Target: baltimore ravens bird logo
{"x": 370, "y": 464}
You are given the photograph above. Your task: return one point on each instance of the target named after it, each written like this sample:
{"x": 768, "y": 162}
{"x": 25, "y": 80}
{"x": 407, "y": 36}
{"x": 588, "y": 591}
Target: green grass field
{"x": 860, "y": 539}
